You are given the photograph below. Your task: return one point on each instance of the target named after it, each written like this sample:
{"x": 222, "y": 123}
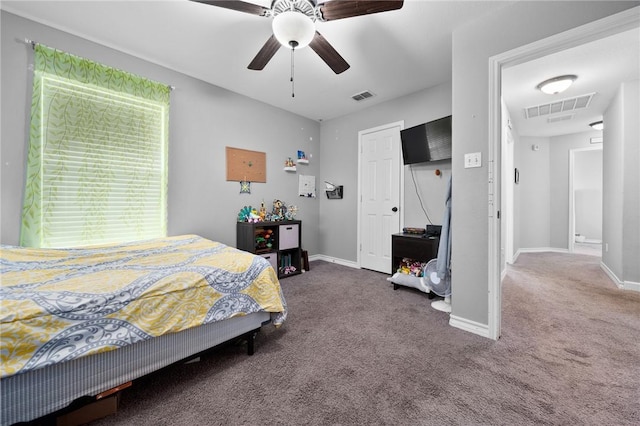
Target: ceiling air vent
{"x": 362, "y": 96}
{"x": 560, "y": 118}
{"x": 563, "y": 105}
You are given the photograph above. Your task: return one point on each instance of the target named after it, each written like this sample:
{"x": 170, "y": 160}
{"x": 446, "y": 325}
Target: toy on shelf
{"x": 289, "y": 165}
{"x": 263, "y": 211}
{"x": 248, "y": 214}
{"x": 291, "y": 212}
{"x": 411, "y": 267}
{"x": 280, "y": 212}
{"x": 286, "y": 267}
{"x": 302, "y": 158}
{"x": 264, "y": 239}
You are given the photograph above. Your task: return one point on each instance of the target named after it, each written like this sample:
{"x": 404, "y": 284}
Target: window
{"x": 97, "y": 159}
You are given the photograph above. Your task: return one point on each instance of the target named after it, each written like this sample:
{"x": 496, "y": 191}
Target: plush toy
{"x": 278, "y": 210}
{"x": 411, "y": 267}
{"x": 248, "y": 214}
{"x": 253, "y": 216}
{"x": 291, "y": 212}
{"x": 268, "y": 236}
{"x": 264, "y": 239}
{"x": 243, "y": 215}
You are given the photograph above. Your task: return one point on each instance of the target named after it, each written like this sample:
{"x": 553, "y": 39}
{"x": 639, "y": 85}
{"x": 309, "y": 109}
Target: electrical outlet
{"x": 606, "y": 247}
{"x": 473, "y": 159}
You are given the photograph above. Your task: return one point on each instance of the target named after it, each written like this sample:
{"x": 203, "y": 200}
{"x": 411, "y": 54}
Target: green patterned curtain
{"x": 97, "y": 159}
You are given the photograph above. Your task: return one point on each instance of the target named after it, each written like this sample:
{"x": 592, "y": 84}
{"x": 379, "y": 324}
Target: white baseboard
{"x": 611, "y": 275}
{"x": 470, "y": 326}
{"x": 537, "y": 250}
{"x": 632, "y": 286}
{"x": 330, "y": 259}
{"x": 541, "y": 250}
{"x": 623, "y": 285}
{"x": 588, "y": 241}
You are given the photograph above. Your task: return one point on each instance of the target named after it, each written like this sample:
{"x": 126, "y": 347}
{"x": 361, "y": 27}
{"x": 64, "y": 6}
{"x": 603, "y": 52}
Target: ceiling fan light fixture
{"x": 556, "y": 84}
{"x": 597, "y": 125}
{"x": 293, "y": 29}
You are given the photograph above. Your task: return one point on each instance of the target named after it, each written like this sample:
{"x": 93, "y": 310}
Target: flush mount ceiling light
{"x": 597, "y": 125}
{"x": 556, "y": 84}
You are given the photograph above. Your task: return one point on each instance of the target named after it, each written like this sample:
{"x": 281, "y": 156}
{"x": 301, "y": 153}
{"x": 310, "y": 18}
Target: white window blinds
{"x": 97, "y": 165}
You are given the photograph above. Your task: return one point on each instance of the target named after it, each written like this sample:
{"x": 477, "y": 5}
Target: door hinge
{"x": 498, "y": 214}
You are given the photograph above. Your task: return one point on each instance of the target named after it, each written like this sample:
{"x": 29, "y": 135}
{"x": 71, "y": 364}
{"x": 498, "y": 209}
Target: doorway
{"x": 596, "y": 30}
{"x": 585, "y": 201}
{"x": 379, "y": 195}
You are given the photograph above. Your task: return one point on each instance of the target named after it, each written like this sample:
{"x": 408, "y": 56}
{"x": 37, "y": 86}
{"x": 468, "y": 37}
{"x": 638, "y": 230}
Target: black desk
{"x": 412, "y": 246}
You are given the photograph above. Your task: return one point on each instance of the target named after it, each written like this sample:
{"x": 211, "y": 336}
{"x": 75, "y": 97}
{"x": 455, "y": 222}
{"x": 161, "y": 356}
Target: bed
{"x": 79, "y": 322}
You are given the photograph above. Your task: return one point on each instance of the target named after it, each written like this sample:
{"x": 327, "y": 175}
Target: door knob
{"x": 395, "y": 209}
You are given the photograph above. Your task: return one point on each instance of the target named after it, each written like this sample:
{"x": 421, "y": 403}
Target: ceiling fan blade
{"x": 339, "y": 9}
{"x": 265, "y": 54}
{"x": 240, "y": 6}
{"x": 321, "y": 46}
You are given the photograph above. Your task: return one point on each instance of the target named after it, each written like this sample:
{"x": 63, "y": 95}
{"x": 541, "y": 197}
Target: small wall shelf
{"x": 302, "y": 161}
{"x": 290, "y": 169}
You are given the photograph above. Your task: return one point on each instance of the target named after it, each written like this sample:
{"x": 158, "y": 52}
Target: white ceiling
{"x": 391, "y": 53}
{"x": 600, "y": 66}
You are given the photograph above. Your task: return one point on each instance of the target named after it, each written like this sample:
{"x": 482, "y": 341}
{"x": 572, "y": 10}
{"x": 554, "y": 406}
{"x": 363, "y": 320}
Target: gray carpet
{"x": 354, "y": 351}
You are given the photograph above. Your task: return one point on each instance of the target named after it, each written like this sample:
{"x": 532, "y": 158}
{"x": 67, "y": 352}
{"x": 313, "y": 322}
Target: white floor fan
{"x": 440, "y": 286}
{"x": 437, "y": 272}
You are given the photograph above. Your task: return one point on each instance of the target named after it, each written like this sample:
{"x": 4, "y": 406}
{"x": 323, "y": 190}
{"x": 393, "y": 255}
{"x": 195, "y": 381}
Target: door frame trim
{"x": 361, "y": 133}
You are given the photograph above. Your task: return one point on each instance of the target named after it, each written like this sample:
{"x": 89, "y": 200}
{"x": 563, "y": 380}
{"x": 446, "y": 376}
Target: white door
{"x": 379, "y": 195}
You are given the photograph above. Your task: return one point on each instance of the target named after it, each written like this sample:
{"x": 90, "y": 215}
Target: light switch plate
{"x": 473, "y": 159}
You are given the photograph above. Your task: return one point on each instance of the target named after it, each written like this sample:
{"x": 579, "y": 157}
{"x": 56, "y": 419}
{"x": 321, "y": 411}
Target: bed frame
{"x": 39, "y": 392}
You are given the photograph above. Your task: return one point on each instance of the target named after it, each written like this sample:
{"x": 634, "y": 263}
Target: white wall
{"x": 631, "y": 207}
{"x": 621, "y": 185}
{"x": 204, "y": 120}
{"x": 587, "y": 186}
{"x": 613, "y": 185}
{"x": 534, "y": 190}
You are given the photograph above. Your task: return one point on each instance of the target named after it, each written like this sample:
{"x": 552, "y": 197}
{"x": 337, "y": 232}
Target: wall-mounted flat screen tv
{"x": 427, "y": 141}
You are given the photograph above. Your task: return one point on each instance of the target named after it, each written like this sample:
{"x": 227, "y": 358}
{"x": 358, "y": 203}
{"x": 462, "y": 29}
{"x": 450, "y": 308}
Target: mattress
{"x": 57, "y": 305}
{"x": 64, "y": 312}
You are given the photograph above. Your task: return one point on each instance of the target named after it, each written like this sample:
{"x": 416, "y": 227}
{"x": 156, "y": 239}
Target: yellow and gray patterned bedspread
{"x": 61, "y": 304}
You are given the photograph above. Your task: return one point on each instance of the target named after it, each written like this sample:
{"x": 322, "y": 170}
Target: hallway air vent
{"x": 560, "y": 118}
{"x": 563, "y": 105}
{"x": 362, "y": 96}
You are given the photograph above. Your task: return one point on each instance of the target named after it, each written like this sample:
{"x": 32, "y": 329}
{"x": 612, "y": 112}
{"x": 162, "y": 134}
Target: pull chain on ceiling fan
{"x": 294, "y": 25}
{"x": 293, "y": 49}
{"x": 295, "y": 30}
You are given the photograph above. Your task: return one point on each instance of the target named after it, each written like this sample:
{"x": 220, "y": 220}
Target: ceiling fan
{"x": 294, "y": 24}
